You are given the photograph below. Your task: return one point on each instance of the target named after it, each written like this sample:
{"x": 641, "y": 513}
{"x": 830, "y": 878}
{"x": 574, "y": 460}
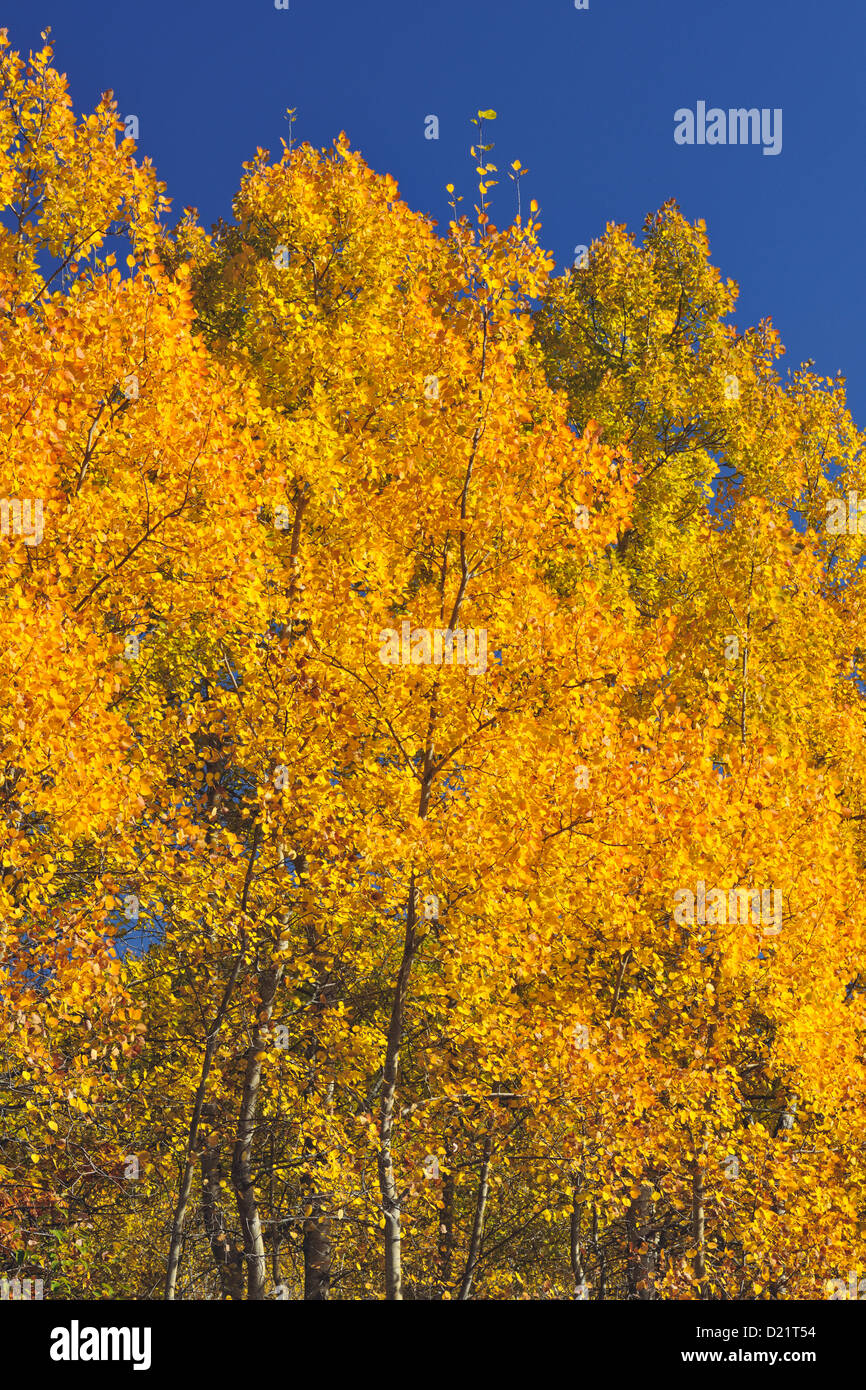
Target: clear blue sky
{"x": 585, "y": 98}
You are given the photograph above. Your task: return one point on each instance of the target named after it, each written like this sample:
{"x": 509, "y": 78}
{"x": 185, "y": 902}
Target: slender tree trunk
{"x": 227, "y": 1253}
{"x": 242, "y": 1179}
{"x": 598, "y": 1251}
{"x": 387, "y": 1184}
{"x": 631, "y": 1261}
{"x": 698, "y": 1226}
{"x": 478, "y": 1221}
{"x": 446, "y": 1232}
{"x": 574, "y": 1248}
{"x": 317, "y": 1254}
{"x": 646, "y": 1285}
{"x": 318, "y": 1246}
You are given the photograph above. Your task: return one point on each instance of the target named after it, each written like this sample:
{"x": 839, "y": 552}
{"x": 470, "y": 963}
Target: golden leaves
{"x": 224, "y": 544}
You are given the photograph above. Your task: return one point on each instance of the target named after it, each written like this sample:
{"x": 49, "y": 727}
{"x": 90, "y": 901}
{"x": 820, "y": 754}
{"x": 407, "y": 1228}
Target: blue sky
{"x": 586, "y": 98}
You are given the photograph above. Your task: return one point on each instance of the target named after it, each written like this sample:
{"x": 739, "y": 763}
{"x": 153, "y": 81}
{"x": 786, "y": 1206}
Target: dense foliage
{"x": 331, "y": 969}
